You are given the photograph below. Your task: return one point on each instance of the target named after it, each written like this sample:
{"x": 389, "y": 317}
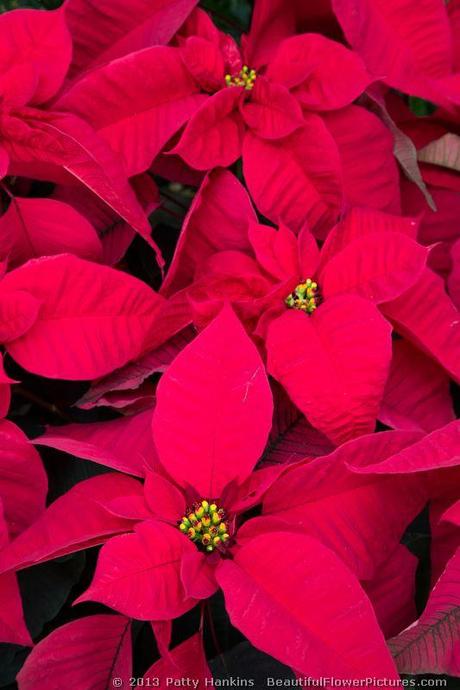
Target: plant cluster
{"x": 230, "y": 342}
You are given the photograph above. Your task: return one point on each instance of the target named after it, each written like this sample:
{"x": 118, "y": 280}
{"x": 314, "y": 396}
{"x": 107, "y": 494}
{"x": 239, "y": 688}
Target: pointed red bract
{"x": 187, "y": 660}
{"x": 23, "y": 482}
{"x": 272, "y": 112}
{"x": 148, "y": 95}
{"x": 366, "y": 148}
{"x": 434, "y": 451}
{"x": 92, "y": 319}
{"x": 306, "y": 356}
{"x": 317, "y": 634}
{"x": 139, "y": 574}
{"x": 45, "y": 49}
{"x": 426, "y": 316}
{"x": 164, "y": 500}
{"x": 417, "y": 392}
{"x": 92, "y": 652}
{"x": 103, "y": 30}
{"x": 407, "y": 46}
{"x": 432, "y": 645}
{"x": 214, "y": 134}
{"x": 65, "y": 527}
{"x": 124, "y": 444}
{"x": 378, "y": 267}
{"x": 308, "y": 64}
{"x": 359, "y": 222}
{"x": 214, "y": 409}
{"x": 277, "y": 251}
{"x": 223, "y": 204}
{"x": 297, "y": 179}
{"x": 32, "y": 228}
{"x": 324, "y": 499}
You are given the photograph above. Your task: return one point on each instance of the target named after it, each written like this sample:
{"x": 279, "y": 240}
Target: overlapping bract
{"x": 286, "y": 389}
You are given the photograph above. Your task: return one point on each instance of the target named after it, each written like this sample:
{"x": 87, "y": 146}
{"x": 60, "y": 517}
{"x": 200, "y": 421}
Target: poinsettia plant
{"x": 230, "y": 337}
{"x": 185, "y": 529}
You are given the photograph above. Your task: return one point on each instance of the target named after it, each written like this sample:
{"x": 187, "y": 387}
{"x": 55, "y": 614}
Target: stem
{"x": 172, "y": 213}
{"x": 215, "y": 641}
{"x": 7, "y": 191}
{"x": 170, "y": 197}
{"x": 28, "y": 395}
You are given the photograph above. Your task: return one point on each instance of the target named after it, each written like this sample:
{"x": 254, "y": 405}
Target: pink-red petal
{"x": 139, "y": 574}
{"x": 271, "y": 112}
{"x": 308, "y": 64}
{"x": 92, "y": 652}
{"x": 77, "y": 520}
{"x": 32, "y": 228}
{"x": 377, "y": 266}
{"x": 319, "y": 633}
{"x": 186, "y": 661}
{"x": 298, "y": 179}
{"x": 214, "y": 409}
{"x": 35, "y": 54}
{"x": 92, "y": 319}
{"x": 218, "y": 220}
{"x": 333, "y": 364}
{"x": 417, "y": 393}
{"x": 214, "y": 134}
{"x": 124, "y": 444}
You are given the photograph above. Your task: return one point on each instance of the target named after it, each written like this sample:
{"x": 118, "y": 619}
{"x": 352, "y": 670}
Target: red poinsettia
{"x": 39, "y": 141}
{"x": 317, "y": 311}
{"x": 301, "y": 74}
{"x": 292, "y": 119}
{"x": 170, "y": 543}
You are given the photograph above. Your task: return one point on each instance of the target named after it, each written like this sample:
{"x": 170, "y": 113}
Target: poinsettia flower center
{"x": 246, "y": 78}
{"x": 205, "y": 524}
{"x": 305, "y": 297}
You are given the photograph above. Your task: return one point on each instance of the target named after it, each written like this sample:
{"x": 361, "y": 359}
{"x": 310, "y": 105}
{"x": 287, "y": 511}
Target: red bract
{"x": 270, "y": 116}
{"x": 5, "y": 392}
{"x": 32, "y": 228}
{"x": 103, "y": 30}
{"x": 369, "y": 260}
{"x": 182, "y": 536}
{"x": 422, "y": 647}
{"x": 46, "y": 143}
{"x": 417, "y": 393}
{"x": 231, "y": 409}
{"x": 23, "y": 487}
{"x": 410, "y": 47}
{"x": 69, "y": 318}
{"x": 92, "y": 651}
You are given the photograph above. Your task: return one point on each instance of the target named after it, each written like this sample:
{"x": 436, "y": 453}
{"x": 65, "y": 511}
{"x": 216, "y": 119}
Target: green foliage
{"x": 45, "y": 589}
{"x": 420, "y": 107}
{"x": 229, "y": 13}
{"x": 6, "y": 5}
